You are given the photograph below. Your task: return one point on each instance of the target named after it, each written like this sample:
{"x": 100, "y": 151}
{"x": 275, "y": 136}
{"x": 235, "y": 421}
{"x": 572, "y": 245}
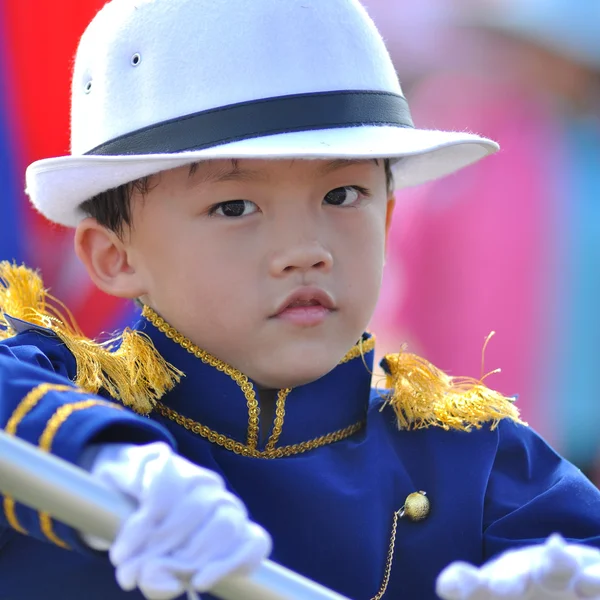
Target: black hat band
{"x": 271, "y": 116}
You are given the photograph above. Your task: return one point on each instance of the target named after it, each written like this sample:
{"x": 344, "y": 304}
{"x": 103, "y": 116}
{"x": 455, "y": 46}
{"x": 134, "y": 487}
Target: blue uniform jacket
{"x": 326, "y": 483}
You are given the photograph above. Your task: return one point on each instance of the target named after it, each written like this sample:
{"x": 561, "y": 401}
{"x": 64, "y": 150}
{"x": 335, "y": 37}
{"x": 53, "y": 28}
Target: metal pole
{"x": 71, "y": 495}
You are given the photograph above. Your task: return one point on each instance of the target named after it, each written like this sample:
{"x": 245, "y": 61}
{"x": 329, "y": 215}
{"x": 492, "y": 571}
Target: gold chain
{"x": 390, "y": 558}
{"x": 245, "y": 450}
{"x": 237, "y": 376}
{"x": 279, "y": 417}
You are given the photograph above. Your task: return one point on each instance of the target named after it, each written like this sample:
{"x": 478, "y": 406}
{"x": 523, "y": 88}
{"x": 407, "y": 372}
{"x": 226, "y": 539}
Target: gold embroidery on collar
{"x": 23, "y": 408}
{"x": 242, "y": 381}
{"x": 45, "y": 443}
{"x": 245, "y": 450}
{"x": 279, "y": 416}
{"x": 359, "y": 350}
{"x": 237, "y": 376}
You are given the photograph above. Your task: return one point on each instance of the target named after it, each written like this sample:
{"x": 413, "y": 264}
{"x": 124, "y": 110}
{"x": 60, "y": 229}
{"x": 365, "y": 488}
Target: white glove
{"x": 188, "y": 531}
{"x": 554, "y": 570}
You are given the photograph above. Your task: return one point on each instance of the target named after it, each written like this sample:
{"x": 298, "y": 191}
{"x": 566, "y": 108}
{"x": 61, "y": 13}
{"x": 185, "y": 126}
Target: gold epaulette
{"x": 127, "y": 366}
{"x": 424, "y": 396}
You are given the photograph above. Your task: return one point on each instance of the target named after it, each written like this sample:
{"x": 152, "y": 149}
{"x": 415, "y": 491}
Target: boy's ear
{"x": 106, "y": 259}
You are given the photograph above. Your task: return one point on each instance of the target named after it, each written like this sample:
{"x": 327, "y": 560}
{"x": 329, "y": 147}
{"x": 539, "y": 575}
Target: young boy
{"x": 190, "y": 189}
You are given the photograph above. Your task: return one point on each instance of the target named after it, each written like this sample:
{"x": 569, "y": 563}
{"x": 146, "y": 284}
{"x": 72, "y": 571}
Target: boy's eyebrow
{"x": 232, "y": 173}
{"x": 235, "y": 173}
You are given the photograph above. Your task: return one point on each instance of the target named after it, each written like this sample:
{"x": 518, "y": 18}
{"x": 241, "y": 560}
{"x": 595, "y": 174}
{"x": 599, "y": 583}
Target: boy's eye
{"x": 234, "y": 208}
{"x": 344, "y": 196}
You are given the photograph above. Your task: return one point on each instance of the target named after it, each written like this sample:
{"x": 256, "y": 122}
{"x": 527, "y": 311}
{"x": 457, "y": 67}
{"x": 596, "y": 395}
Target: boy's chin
{"x": 296, "y": 362}
{"x": 292, "y": 376}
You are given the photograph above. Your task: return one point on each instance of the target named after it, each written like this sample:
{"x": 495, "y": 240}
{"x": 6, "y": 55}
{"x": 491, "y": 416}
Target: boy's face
{"x": 273, "y": 266}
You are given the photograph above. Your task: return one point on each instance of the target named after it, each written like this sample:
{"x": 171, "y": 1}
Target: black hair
{"x": 112, "y": 209}
{"x": 389, "y": 176}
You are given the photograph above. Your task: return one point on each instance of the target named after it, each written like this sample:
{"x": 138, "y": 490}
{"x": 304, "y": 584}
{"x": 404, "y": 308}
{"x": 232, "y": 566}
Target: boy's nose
{"x": 301, "y": 257}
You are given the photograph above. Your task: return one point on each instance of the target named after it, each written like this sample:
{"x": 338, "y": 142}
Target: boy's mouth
{"x": 306, "y": 307}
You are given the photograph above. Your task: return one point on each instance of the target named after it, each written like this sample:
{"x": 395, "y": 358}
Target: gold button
{"x": 416, "y": 506}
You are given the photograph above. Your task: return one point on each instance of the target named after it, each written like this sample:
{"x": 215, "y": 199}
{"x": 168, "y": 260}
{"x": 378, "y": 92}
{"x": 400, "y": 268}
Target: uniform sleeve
{"x": 40, "y": 403}
{"x": 533, "y": 492}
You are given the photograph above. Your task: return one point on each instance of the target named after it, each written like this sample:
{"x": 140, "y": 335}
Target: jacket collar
{"x": 221, "y": 404}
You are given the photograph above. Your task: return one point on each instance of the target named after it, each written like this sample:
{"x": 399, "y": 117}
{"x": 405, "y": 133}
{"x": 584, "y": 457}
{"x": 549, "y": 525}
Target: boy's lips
{"x": 306, "y": 307}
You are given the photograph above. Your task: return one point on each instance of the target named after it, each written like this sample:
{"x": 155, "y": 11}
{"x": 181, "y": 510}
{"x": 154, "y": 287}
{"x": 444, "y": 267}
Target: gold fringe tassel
{"x": 128, "y": 366}
{"x": 423, "y": 396}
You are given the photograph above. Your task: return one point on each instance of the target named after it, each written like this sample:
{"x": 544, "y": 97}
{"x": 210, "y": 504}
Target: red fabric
{"x": 42, "y": 41}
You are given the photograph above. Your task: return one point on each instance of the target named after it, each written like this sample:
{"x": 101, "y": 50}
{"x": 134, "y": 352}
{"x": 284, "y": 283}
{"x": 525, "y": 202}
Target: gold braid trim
{"x": 360, "y": 349}
{"x": 252, "y": 452}
{"x": 128, "y": 366}
{"x": 45, "y": 443}
{"x": 208, "y": 359}
{"x": 423, "y": 396}
{"x": 242, "y": 380}
{"x": 25, "y": 406}
{"x": 279, "y": 417}
{"x": 31, "y": 401}
{"x": 10, "y": 512}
